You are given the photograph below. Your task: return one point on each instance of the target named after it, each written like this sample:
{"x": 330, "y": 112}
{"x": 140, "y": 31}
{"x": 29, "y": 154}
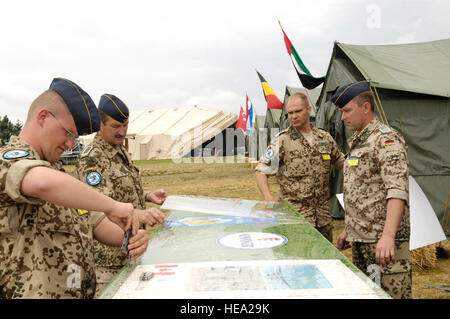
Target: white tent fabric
{"x": 178, "y": 131}
{"x": 171, "y": 132}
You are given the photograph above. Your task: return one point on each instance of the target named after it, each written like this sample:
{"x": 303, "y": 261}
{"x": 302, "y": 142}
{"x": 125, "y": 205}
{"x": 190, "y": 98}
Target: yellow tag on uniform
{"x": 353, "y": 161}
{"x": 326, "y": 156}
{"x": 82, "y": 211}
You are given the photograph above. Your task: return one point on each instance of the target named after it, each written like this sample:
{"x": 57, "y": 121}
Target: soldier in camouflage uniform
{"x": 106, "y": 165}
{"x": 45, "y": 247}
{"x": 302, "y": 156}
{"x": 376, "y": 193}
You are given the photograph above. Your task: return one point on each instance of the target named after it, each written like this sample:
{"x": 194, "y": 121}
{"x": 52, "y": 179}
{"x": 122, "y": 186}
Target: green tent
{"x": 312, "y": 95}
{"x": 262, "y": 135}
{"x": 271, "y": 126}
{"x": 412, "y": 82}
{"x": 272, "y": 119}
{"x": 256, "y": 142}
{"x": 259, "y": 121}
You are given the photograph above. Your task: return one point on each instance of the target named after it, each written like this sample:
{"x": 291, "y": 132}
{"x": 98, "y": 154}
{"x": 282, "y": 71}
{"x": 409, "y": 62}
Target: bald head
{"x": 299, "y": 96}
{"x": 49, "y": 100}
{"x": 298, "y": 111}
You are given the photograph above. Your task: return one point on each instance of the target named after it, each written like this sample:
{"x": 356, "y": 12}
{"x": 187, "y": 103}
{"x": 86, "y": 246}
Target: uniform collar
{"x": 295, "y": 134}
{"x": 109, "y": 150}
{"x": 362, "y": 136}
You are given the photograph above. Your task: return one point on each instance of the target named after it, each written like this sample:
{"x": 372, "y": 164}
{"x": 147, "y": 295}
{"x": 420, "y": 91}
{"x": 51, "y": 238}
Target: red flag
{"x": 242, "y": 121}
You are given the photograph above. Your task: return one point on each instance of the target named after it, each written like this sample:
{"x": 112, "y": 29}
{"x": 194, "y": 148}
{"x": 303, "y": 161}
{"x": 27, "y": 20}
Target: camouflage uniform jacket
{"x": 303, "y": 171}
{"x": 119, "y": 179}
{"x": 46, "y": 250}
{"x": 376, "y": 169}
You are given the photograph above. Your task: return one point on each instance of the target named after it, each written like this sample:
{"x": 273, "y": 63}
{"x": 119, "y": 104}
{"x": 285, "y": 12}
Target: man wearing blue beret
{"x": 45, "y": 247}
{"x": 106, "y": 165}
{"x": 376, "y": 193}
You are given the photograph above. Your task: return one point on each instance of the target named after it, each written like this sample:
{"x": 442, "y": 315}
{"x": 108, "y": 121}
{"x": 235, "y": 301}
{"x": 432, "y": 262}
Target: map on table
{"x": 245, "y": 279}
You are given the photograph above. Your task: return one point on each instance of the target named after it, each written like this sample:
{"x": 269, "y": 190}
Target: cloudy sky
{"x": 156, "y": 54}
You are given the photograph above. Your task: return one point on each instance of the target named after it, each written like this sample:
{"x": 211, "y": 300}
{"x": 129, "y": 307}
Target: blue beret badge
{"x": 13, "y": 154}
{"x": 93, "y": 178}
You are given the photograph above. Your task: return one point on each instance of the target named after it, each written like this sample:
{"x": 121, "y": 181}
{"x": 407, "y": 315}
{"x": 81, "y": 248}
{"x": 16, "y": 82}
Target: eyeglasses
{"x": 69, "y": 133}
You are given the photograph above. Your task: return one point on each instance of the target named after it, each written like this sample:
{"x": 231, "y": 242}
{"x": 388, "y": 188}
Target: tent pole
{"x": 380, "y": 106}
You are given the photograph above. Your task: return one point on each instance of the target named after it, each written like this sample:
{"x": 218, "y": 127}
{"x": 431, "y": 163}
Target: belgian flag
{"x": 273, "y": 102}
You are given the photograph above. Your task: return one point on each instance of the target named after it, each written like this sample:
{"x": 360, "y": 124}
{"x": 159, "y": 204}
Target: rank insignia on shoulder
{"x": 385, "y": 129}
{"x": 86, "y": 151}
{"x": 282, "y": 132}
{"x": 13, "y": 154}
{"x": 93, "y": 178}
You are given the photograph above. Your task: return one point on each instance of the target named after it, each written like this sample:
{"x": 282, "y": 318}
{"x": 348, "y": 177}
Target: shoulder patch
{"x": 86, "y": 151}
{"x": 269, "y": 152}
{"x": 16, "y": 153}
{"x": 385, "y": 129}
{"x": 93, "y": 178}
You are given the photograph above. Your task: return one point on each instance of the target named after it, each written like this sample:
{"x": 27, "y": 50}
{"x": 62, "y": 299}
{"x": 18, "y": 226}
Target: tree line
{"x": 7, "y": 129}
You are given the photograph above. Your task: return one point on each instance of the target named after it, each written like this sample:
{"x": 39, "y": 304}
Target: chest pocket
{"x": 357, "y": 160}
{"x": 296, "y": 163}
{"x": 121, "y": 178}
{"x": 12, "y": 213}
{"x": 123, "y": 183}
{"x": 362, "y": 165}
{"x": 322, "y": 155}
{"x": 56, "y": 218}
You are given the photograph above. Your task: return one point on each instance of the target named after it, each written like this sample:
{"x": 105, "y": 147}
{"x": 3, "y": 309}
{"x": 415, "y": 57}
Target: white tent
{"x": 172, "y": 132}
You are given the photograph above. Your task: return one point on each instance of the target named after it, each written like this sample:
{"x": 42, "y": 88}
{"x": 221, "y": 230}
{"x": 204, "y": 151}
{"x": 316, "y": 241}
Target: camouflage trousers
{"x": 395, "y": 278}
{"x": 104, "y": 275}
{"x": 327, "y": 232}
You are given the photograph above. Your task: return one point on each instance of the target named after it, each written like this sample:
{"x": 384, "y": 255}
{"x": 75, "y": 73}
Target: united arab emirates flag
{"x": 273, "y": 102}
{"x": 308, "y": 81}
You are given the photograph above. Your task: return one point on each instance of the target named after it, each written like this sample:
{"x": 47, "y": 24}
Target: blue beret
{"x": 83, "y": 109}
{"x": 346, "y": 93}
{"x": 113, "y": 107}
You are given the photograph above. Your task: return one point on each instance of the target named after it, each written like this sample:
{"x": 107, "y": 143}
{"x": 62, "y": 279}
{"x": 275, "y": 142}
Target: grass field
{"x": 235, "y": 179}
